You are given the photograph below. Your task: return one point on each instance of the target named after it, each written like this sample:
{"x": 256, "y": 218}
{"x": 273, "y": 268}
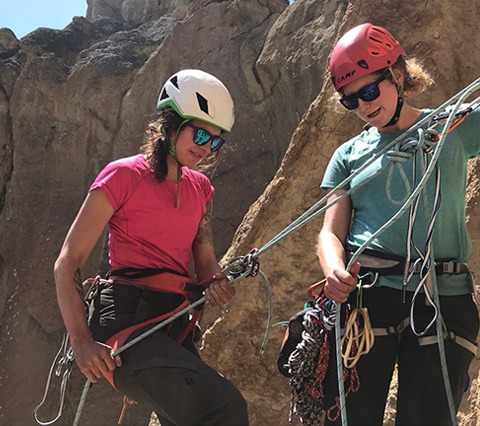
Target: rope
{"x": 428, "y": 265}
{"x": 83, "y": 398}
{"x": 269, "y": 326}
{"x": 338, "y": 357}
{"x": 317, "y": 208}
{"x": 460, "y": 97}
{"x": 308, "y": 365}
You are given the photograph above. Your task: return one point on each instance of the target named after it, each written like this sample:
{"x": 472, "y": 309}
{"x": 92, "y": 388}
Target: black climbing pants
{"x": 421, "y": 397}
{"x": 178, "y": 385}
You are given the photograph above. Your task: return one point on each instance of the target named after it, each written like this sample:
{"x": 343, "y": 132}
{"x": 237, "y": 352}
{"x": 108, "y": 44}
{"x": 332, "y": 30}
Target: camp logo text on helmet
{"x": 361, "y": 51}
{"x": 195, "y": 94}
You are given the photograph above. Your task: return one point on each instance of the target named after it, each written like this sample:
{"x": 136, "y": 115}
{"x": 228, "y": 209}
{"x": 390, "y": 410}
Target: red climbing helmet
{"x": 362, "y": 50}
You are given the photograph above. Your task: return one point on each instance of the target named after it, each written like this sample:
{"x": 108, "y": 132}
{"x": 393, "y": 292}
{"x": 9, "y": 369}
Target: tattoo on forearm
{"x": 205, "y": 234}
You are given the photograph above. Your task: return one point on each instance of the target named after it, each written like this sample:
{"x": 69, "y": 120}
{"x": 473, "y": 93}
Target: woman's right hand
{"x": 340, "y": 283}
{"x": 94, "y": 358}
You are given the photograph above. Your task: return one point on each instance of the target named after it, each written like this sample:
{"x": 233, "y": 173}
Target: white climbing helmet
{"x": 195, "y": 94}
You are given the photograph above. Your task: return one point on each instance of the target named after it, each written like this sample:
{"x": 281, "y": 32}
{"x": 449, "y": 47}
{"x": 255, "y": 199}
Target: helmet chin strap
{"x": 173, "y": 152}
{"x": 398, "y": 110}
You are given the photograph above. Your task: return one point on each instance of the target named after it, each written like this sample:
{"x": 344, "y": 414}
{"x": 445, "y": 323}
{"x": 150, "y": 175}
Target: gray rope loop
{"x": 404, "y": 150}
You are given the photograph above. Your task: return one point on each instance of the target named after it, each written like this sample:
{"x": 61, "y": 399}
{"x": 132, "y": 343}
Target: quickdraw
{"x": 61, "y": 367}
{"x": 64, "y": 360}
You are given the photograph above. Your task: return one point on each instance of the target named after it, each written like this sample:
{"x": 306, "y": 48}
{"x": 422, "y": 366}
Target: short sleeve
{"x": 469, "y": 132}
{"x": 115, "y": 181}
{"x": 337, "y": 169}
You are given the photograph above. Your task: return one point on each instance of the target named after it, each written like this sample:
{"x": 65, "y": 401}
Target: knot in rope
{"x": 405, "y": 149}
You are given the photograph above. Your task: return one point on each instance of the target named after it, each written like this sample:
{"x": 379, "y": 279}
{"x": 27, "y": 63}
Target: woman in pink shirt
{"x": 158, "y": 213}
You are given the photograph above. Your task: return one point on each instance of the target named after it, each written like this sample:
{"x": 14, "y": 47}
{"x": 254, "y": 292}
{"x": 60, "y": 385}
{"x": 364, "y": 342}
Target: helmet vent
{"x": 163, "y": 95}
{"x": 202, "y": 103}
{"x": 362, "y": 63}
{"x": 375, "y": 39}
{"x": 174, "y": 81}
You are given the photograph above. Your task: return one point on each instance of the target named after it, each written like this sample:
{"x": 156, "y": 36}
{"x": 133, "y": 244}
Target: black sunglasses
{"x": 367, "y": 93}
{"x": 202, "y": 137}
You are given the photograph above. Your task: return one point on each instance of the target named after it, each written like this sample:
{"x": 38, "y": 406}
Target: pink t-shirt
{"x": 146, "y": 229}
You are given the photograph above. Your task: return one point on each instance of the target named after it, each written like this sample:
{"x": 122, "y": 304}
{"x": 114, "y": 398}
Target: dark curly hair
{"x": 157, "y": 141}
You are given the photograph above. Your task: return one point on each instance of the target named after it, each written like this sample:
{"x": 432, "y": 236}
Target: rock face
{"x": 73, "y": 100}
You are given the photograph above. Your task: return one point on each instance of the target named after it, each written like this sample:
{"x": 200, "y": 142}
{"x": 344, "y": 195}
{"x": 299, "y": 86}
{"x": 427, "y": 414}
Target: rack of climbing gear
{"x": 305, "y": 353}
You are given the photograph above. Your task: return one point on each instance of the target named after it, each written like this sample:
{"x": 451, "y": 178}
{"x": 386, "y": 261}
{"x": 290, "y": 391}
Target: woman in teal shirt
{"x": 370, "y": 71}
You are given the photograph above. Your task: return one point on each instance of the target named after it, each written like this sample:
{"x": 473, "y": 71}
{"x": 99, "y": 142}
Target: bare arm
{"x": 92, "y": 357}
{"x": 206, "y": 265}
{"x": 331, "y": 253}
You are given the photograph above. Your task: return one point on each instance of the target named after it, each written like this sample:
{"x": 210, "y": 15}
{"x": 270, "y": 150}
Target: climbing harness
{"x": 239, "y": 268}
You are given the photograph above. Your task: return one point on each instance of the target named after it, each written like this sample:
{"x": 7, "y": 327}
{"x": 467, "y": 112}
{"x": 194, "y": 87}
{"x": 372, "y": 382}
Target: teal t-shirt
{"x": 375, "y": 202}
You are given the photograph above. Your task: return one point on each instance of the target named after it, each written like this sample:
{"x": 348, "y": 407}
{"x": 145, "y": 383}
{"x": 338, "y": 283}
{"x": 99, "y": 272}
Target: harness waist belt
{"x": 383, "y": 264}
{"x": 165, "y": 282}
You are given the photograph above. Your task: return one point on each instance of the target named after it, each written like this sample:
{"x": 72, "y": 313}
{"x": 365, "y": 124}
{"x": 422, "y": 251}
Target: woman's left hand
{"x": 221, "y": 291}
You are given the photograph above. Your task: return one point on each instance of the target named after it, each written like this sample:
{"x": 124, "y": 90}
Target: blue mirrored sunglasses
{"x": 202, "y": 137}
{"x": 367, "y": 93}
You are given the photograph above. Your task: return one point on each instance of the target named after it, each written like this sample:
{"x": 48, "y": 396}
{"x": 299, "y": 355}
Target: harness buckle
{"x": 451, "y": 267}
{"x": 391, "y": 330}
